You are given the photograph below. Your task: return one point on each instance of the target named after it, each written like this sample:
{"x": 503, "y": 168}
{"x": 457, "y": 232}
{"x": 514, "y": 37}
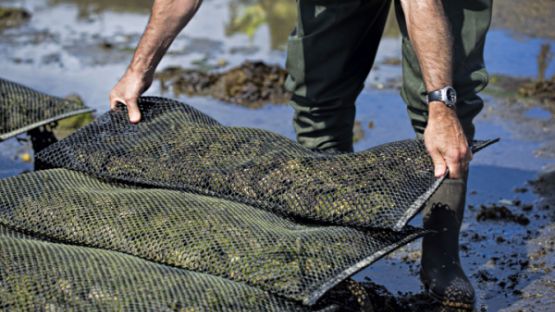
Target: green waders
{"x": 330, "y": 54}
{"x": 333, "y": 48}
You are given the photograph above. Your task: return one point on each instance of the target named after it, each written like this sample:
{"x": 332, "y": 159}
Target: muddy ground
{"x": 72, "y": 46}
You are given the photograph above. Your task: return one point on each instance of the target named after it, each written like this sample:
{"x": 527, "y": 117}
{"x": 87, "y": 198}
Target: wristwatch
{"x": 447, "y": 95}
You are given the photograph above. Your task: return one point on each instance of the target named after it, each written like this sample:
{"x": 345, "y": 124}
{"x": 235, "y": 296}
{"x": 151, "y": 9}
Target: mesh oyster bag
{"x": 46, "y": 276}
{"x": 23, "y": 109}
{"x": 208, "y": 235}
{"x": 182, "y": 213}
{"x": 177, "y": 147}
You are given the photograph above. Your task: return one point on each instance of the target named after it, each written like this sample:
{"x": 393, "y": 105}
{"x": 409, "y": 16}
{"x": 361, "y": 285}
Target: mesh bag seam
{"x": 39, "y": 101}
{"x": 272, "y": 299}
{"x": 393, "y": 213}
{"x": 312, "y": 291}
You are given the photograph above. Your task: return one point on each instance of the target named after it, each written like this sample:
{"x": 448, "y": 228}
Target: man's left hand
{"x": 446, "y": 142}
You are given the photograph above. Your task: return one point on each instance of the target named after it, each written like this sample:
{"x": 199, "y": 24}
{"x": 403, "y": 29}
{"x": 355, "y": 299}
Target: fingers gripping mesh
{"x": 44, "y": 276}
{"x": 177, "y": 147}
{"x": 23, "y": 109}
{"x": 240, "y": 217}
{"x": 194, "y": 232}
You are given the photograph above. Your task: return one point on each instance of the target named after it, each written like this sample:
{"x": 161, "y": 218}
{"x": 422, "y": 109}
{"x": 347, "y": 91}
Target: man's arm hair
{"x": 167, "y": 19}
{"x": 432, "y": 40}
{"x": 430, "y": 35}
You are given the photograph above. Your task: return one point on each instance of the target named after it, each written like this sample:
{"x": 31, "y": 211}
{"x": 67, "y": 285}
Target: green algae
{"x": 252, "y": 84}
{"x": 13, "y": 17}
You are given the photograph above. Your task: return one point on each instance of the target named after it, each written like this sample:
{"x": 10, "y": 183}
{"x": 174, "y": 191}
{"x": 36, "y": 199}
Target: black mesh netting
{"x": 45, "y": 276}
{"x": 194, "y": 232}
{"x": 181, "y": 213}
{"x": 178, "y": 147}
{"x": 23, "y": 109}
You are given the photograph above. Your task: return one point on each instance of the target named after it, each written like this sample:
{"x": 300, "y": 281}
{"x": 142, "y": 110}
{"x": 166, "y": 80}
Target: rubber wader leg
{"x": 441, "y": 271}
{"x": 329, "y": 56}
{"x": 470, "y": 21}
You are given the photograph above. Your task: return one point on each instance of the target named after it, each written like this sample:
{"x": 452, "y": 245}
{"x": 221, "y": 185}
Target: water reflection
{"x": 247, "y": 16}
{"x": 391, "y": 26}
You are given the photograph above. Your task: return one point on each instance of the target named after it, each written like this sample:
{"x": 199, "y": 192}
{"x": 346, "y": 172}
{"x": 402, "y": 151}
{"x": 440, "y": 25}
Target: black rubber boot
{"x": 441, "y": 271}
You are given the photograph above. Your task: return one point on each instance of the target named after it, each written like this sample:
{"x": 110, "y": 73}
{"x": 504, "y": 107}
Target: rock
{"x": 500, "y": 213}
{"x": 358, "y": 132}
{"x": 251, "y": 84}
{"x": 13, "y": 17}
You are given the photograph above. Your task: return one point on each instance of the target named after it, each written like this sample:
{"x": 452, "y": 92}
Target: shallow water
{"x": 83, "y": 47}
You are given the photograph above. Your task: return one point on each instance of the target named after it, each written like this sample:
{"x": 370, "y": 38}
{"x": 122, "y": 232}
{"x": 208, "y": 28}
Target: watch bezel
{"x": 447, "y": 95}
{"x": 450, "y": 99}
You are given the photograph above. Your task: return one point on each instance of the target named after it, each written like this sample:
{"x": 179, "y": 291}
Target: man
{"x": 329, "y": 56}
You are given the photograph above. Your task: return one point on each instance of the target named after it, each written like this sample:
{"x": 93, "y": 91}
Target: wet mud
{"x": 517, "y": 264}
{"x": 368, "y": 296}
{"x": 537, "y": 292}
{"x": 528, "y": 18}
{"x": 541, "y": 88}
{"x": 252, "y": 84}
{"x": 88, "y": 9}
{"x": 501, "y": 213}
{"x": 358, "y": 132}
{"x": 534, "y": 91}
{"x": 528, "y": 101}
{"x": 13, "y": 17}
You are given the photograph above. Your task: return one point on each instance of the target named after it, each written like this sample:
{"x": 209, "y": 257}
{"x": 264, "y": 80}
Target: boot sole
{"x": 466, "y": 306}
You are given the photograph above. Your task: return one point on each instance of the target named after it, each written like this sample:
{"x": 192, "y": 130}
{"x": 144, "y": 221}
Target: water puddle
{"x": 538, "y": 113}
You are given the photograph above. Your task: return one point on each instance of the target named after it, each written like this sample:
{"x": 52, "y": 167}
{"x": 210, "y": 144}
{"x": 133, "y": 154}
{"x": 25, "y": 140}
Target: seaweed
{"x": 13, "y": 17}
{"x": 251, "y": 84}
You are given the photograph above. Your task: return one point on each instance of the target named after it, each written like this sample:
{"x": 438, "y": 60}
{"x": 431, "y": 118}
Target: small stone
{"x": 26, "y": 157}
{"x": 520, "y": 190}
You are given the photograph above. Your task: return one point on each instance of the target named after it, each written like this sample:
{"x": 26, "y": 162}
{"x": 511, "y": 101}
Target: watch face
{"x": 451, "y": 96}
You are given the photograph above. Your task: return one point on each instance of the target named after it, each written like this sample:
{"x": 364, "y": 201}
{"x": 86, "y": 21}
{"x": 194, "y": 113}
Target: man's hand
{"x": 430, "y": 35}
{"x": 167, "y": 19}
{"x": 445, "y": 141}
{"x": 128, "y": 90}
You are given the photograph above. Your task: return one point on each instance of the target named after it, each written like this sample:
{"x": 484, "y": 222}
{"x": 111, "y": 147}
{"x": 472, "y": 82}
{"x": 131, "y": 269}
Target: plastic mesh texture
{"x": 45, "y": 276}
{"x": 23, "y": 109}
{"x": 193, "y": 232}
{"x": 206, "y": 217}
{"x": 178, "y": 147}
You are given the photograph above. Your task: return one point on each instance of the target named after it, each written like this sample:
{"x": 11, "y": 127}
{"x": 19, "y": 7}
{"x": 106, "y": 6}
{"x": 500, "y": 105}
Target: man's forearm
{"x": 167, "y": 19}
{"x": 430, "y": 35}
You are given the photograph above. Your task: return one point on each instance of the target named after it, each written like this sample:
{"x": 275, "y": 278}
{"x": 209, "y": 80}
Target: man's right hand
{"x": 127, "y": 92}
{"x": 167, "y": 19}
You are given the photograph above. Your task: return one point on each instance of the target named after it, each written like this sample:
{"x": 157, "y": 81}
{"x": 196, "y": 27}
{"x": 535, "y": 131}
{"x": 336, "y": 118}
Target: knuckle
{"x": 452, "y": 155}
{"x": 464, "y": 153}
{"x": 454, "y": 166}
